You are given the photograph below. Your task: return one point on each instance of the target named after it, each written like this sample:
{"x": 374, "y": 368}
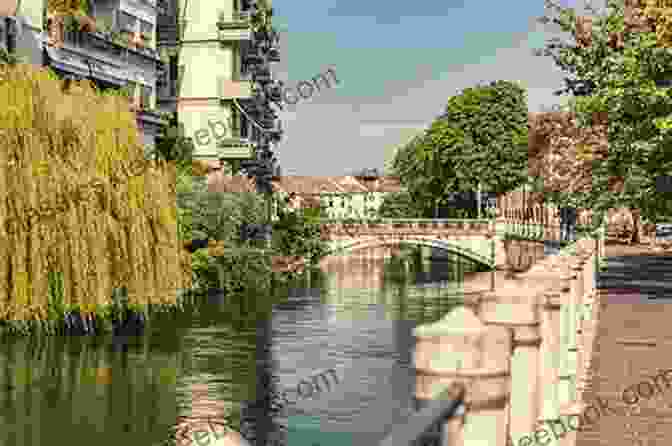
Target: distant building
{"x": 340, "y": 197}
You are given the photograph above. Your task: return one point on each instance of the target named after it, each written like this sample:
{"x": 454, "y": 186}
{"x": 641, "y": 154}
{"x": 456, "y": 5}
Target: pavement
{"x": 631, "y": 351}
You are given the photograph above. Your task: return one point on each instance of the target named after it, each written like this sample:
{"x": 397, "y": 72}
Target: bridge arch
{"x": 445, "y": 245}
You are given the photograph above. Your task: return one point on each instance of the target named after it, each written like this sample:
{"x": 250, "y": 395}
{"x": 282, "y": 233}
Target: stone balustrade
{"x": 523, "y": 351}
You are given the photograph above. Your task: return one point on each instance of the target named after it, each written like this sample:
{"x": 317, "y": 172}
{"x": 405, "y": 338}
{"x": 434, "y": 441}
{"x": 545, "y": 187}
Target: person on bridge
{"x": 568, "y": 217}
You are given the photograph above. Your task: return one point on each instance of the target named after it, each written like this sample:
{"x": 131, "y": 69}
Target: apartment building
{"x": 198, "y": 65}
{"x": 110, "y": 42}
{"x": 218, "y": 80}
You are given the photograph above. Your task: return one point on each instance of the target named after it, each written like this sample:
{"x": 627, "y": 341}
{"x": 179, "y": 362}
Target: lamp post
{"x": 478, "y": 199}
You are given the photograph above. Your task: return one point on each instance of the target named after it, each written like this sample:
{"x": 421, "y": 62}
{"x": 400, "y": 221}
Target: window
{"x": 162, "y": 80}
{"x": 11, "y": 27}
{"x": 244, "y": 5}
{"x": 3, "y": 33}
{"x": 173, "y": 75}
{"x": 244, "y": 126}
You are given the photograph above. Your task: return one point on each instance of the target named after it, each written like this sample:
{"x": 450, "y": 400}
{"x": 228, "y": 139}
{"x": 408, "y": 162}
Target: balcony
{"x": 235, "y": 148}
{"x": 100, "y": 55}
{"x": 234, "y": 28}
{"x": 232, "y": 89}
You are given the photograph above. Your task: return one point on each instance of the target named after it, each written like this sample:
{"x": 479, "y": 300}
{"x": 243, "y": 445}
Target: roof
{"x": 350, "y": 184}
{"x": 383, "y": 184}
{"x": 304, "y": 185}
{"x": 218, "y": 182}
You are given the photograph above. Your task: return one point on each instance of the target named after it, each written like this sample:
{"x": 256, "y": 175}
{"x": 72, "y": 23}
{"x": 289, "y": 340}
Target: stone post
{"x": 497, "y": 237}
{"x": 576, "y": 347}
{"x": 460, "y": 348}
{"x": 589, "y": 282}
{"x": 587, "y": 323}
{"x": 572, "y": 409}
{"x": 567, "y": 344}
{"x": 522, "y": 319}
{"x": 549, "y": 356}
{"x": 583, "y": 290}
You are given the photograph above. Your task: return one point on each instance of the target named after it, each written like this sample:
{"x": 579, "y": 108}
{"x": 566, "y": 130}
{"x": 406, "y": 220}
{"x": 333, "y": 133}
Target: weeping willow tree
{"x": 82, "y": 202}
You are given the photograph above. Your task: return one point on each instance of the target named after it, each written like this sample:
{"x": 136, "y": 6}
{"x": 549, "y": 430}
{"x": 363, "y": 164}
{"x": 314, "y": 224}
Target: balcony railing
{"x": 98, "y": 41}
{"x": 236, "y": 21}
{"x": 425, "y": 428}
{"x": 235, "y": 148}
{"x": 235, "y": 28}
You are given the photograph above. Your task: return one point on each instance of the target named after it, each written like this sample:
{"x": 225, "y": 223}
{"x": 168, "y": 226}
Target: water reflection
{"x": 227, "y": 356}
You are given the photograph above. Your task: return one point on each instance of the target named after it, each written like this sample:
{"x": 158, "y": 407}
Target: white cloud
{"x": 331, "y": 137}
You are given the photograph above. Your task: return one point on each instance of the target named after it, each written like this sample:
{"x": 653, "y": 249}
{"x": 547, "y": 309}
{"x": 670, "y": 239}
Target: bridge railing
{"x": 407, "y": 219}
{"x": 426, "y": 427}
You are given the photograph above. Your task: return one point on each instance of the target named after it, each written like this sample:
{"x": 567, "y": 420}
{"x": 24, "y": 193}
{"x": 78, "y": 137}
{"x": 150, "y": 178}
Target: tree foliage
{"x": 623, "y": 55}
{"x": 173, "y": 145}
{"x": 298, "y": 233}
{"x": 481, "y": 138}
{"x": 400, "y": 205}
{"x": 219, "y": 216}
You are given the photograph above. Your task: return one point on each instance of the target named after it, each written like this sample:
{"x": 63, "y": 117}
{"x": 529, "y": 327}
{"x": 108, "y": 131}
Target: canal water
{"x": 227, "y": 355}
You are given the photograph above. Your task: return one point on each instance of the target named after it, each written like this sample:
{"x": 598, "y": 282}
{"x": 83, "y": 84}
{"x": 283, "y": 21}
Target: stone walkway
{"x": 633, "y": 345}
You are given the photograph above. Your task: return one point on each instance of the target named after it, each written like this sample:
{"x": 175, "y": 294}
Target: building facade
{"x": 218, "y": 56}
{"x": 110, "y": 42}
{"x": 195, "y": 65}
{"x": 340, "y": 197}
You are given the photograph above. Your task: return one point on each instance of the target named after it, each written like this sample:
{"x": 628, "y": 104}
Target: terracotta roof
{"x": 218, "y": 182}
{"x": 350, "y": 184}
{"x": 383, "y": 184}
{"x": 308, "y": 185}
{"x": 304, "y": 185}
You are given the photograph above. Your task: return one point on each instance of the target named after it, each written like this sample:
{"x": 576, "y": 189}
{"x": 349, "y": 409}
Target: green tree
{"x": 481, "y": 138}
{"x": 173, "y": 145}
{"x": 298, "y": 233}
{"x": 400, "y": 205}
{"x": 619, "y": 56}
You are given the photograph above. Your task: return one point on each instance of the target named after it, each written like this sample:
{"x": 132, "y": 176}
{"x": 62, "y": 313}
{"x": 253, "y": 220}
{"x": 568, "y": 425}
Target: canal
{"x": 227, "y": 355}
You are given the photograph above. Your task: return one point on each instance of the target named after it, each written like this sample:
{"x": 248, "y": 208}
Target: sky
{"x": 396, "y": 65}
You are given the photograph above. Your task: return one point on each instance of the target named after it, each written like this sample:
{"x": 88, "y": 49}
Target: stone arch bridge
{"x": 474, "y": 239}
